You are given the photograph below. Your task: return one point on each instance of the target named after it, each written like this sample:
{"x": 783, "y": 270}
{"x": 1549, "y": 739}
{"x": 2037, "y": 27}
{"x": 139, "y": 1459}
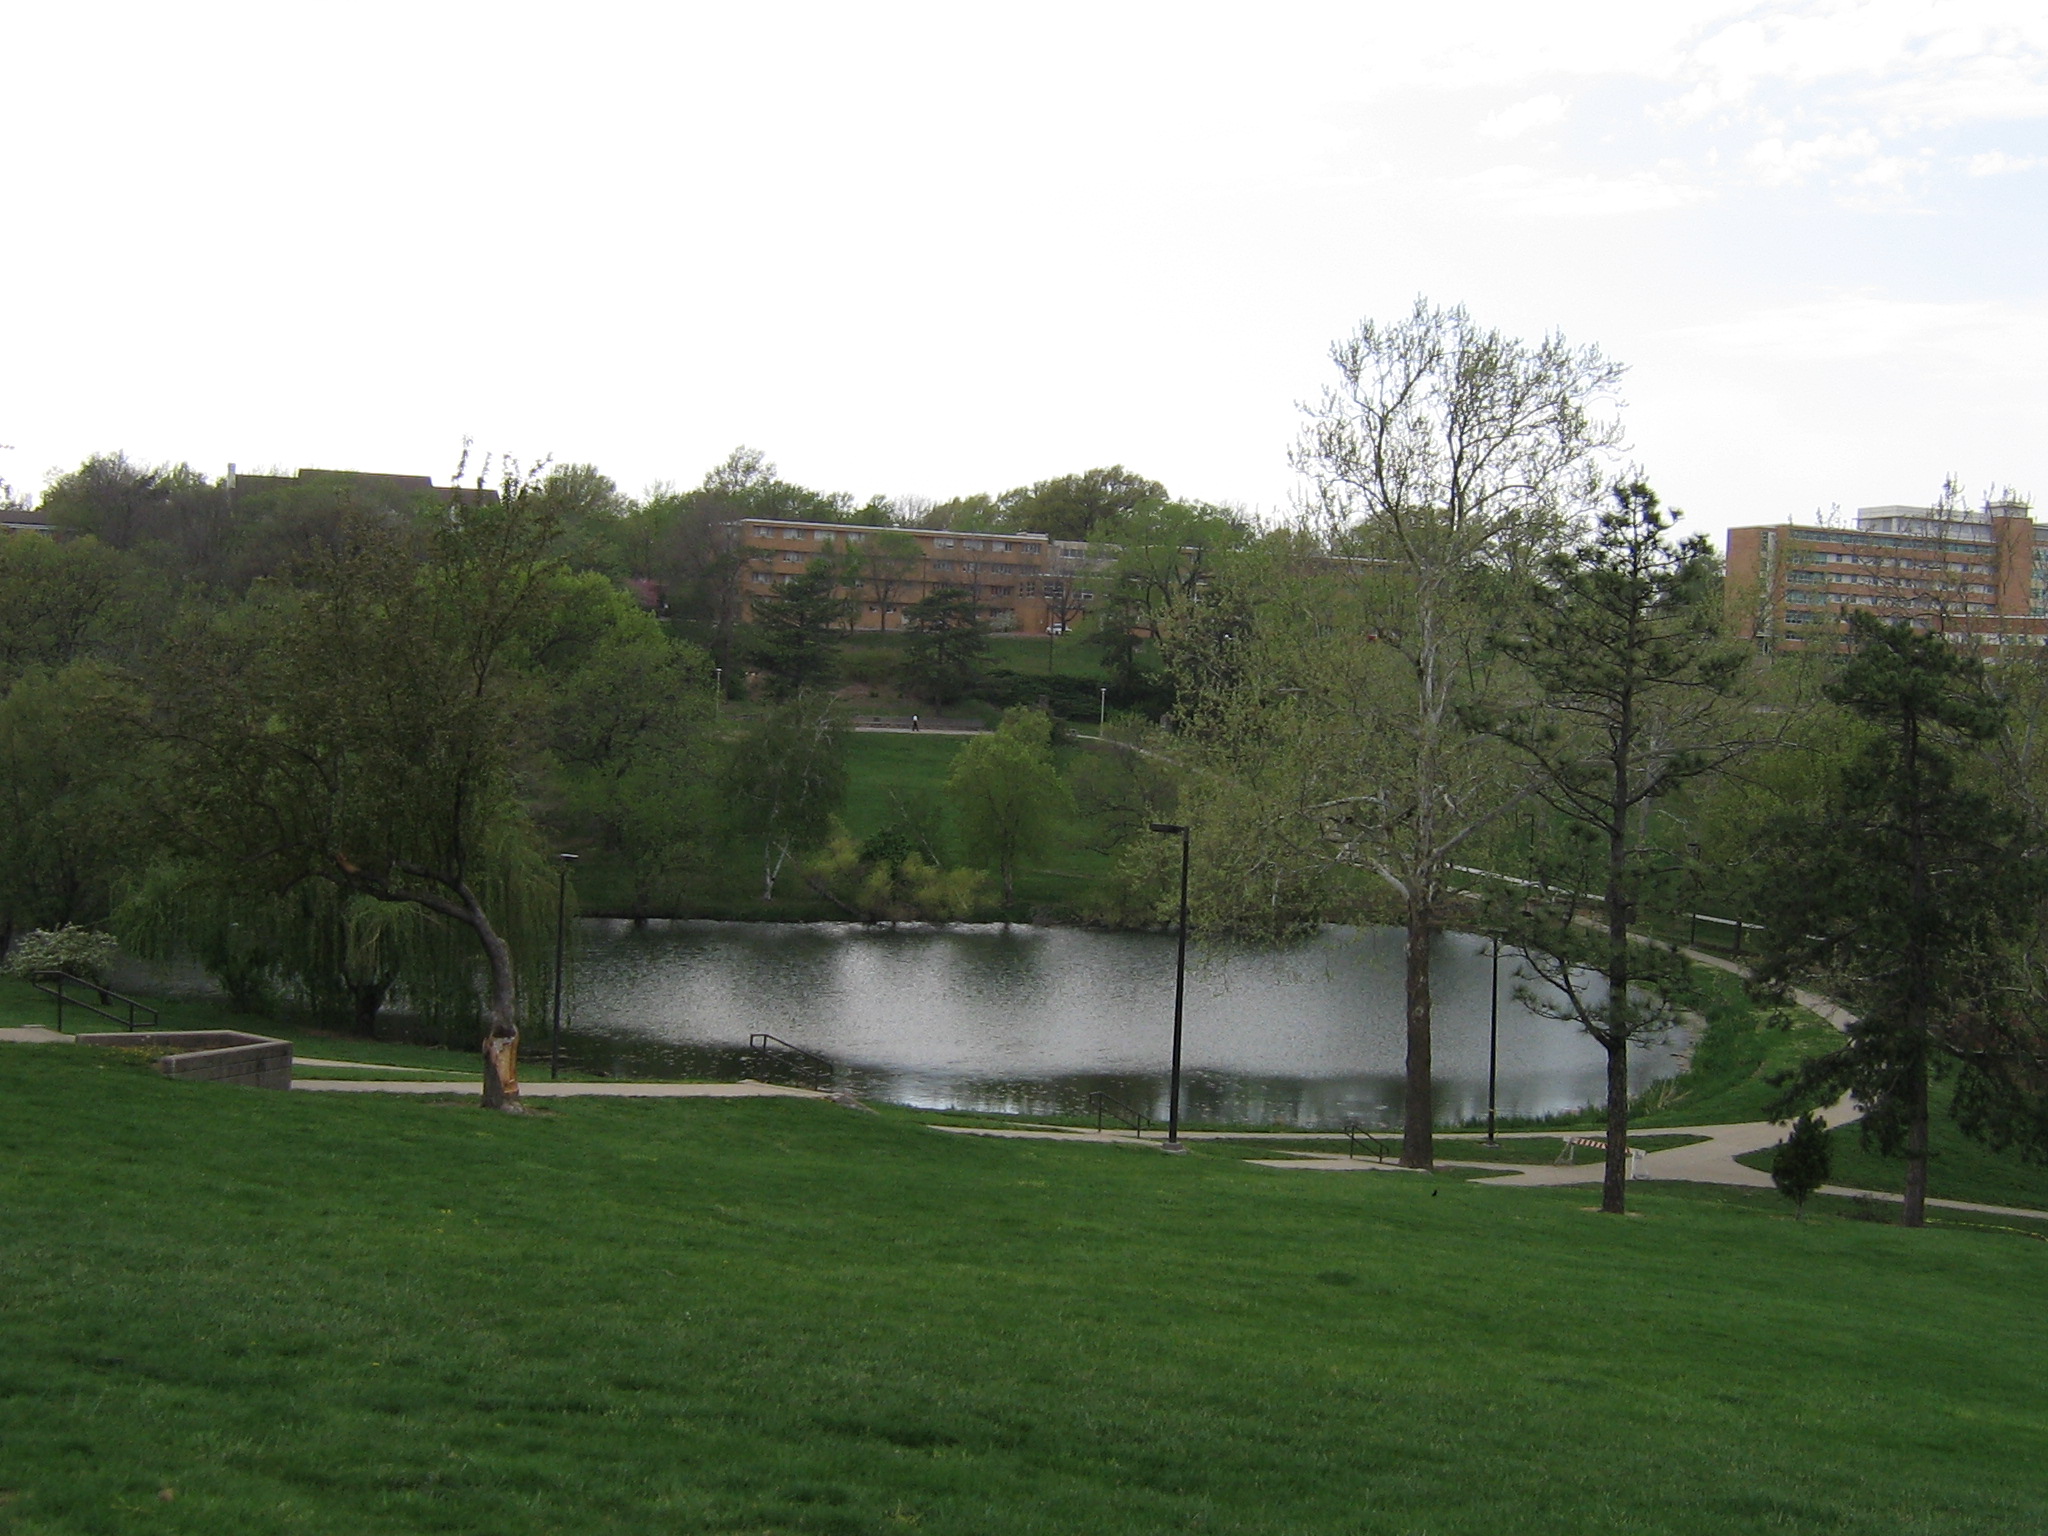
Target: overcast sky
{"x": 927, "y": 250}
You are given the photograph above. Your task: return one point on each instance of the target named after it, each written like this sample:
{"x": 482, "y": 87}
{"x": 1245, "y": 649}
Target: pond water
{"x": 1032, "y": 1020}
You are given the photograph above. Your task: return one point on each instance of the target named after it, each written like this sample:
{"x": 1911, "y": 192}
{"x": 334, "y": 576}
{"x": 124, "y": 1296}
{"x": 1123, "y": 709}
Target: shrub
{"x": 79, "y": 951}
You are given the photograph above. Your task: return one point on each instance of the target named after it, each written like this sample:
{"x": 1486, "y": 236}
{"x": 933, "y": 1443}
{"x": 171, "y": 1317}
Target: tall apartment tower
{"x": 1982, "y": 574}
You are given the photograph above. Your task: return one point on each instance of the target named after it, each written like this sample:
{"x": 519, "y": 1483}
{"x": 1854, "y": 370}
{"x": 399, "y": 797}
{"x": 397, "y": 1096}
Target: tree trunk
{"x": 1418, "y": 1113}
{"x": 367, "y": 998}
{"x": 1914, "y": 1213}
{"x": 1614, "y": 1184}
{"x": 501, "y": 1017}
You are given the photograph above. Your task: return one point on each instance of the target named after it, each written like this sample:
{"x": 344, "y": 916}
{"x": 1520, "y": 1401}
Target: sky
{"x": 927, "y": 250}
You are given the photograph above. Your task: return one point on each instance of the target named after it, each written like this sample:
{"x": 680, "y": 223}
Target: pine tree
{"x": 1804, "y": 1160}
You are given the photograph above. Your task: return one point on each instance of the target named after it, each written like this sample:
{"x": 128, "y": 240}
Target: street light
{"x": 1102, "y": 715}
{"x": 718, "y": 684}
{"x": 561, "y": 913}
{"x": 1180, "y": 987}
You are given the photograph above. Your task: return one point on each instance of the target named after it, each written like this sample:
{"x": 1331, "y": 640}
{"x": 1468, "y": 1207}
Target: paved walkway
{"x": 740, "y": 1090}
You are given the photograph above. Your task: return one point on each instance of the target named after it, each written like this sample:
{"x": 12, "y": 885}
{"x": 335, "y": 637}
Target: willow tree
{"x": 366, "y": 723}
{"x": 1444, "y": 456}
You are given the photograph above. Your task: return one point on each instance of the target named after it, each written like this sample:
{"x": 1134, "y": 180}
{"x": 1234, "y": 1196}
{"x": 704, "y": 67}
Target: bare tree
{"x": 1445, "y": 455}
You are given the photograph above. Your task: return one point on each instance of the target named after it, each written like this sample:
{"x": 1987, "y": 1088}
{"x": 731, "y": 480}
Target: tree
{"x": 71, "y": 816}
{"x": 61, "y": 601}
{"x": 1006, "y": 790}
{"x": 367, "y": 727}
{"x": 797, "y": 629}
{"x": 630, "y": 722}
{"x": 1804, "y": 1160}
{"x": 1910, "y": 889}
{"x": 126, "y": 506}
{"x": 1075, "y": 507}
{"x": 1166, "y": 552}
{"x": 1631, "y": 682}
{"x": 1444, "y": 456}
{"x": 886, "y": 561}
{"x": 786, "y": 779}
{"x": 946, "y": 645}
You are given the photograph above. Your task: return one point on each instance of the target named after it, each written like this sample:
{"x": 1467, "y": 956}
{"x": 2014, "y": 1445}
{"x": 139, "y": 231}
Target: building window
{"x": 970, "y": 544}
{"x": 792, "y": 557}
{"x": 792, "y": 533}
{"x": 943, "y": 543}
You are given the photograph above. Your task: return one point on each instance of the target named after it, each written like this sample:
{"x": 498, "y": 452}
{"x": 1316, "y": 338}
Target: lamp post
{"x": 561, "y": 919}
{"x": 1492, "y": 1041}
{"x": 1102, "y": 715}
{"x": 1180, "y": 987}
{"x": 718, "y": 685}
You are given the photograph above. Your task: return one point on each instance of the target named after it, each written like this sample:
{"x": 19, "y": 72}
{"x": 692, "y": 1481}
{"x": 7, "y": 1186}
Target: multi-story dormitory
{"x": 1963, "y": 573}
{"x": 1024, "y": 583}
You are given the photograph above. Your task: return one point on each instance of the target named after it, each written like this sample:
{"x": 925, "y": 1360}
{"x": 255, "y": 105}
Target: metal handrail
{"x": 1352, "y": 1131}
{"x": 766, "y": 1044}
{"x": 1117, "y": 1109}
{"x": 54, "y": 982}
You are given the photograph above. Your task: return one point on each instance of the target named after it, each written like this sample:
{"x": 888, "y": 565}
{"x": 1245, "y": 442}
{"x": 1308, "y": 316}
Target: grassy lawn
{"x": 236, "y": 1311}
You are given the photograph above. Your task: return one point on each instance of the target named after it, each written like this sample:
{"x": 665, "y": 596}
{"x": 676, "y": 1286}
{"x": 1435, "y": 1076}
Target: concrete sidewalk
{"x": 739, "y": 1090}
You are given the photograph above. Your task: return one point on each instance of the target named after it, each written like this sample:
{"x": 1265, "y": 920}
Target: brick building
{"x": 1022, "y": 583}
{"x": 1963, "y": 573}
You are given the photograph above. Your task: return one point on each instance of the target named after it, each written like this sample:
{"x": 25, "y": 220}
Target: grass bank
{"x": 229, "y": 1310}
{"x": 1957, "y": 1167}
{"x": 892, "y": 776}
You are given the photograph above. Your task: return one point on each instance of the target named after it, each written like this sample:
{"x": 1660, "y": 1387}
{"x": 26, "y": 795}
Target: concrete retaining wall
{"x": 212, "y": 1055}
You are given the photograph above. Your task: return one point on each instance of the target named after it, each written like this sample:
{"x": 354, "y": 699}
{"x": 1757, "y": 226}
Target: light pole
{"x": 1492, "y": 1041}
{"x": 718, "y": 685}
{"x": 561, "y": 916}
{"x": 1102, "y": 715}
{"x": 1180, "y": 987}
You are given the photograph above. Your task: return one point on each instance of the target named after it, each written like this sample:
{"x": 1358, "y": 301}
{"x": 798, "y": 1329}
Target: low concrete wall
{"x": 211, "y": 1055}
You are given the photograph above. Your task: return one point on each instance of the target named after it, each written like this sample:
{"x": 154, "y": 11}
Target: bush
{"x": 78, "y": 951}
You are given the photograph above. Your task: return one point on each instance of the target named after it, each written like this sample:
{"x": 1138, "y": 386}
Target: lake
{"x": 1032, "y": 1020}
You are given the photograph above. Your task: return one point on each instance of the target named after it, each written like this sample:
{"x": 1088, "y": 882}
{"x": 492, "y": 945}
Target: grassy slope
{"x": 304, "y": 1314}
{"x": 1729, "y": 1079}
{"x": 1958, "y": 1169}
{"x": 880, "y": 764}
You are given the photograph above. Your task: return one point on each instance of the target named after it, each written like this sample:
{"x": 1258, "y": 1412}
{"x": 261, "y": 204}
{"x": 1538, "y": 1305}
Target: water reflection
{"x": 1032, "y": 1020}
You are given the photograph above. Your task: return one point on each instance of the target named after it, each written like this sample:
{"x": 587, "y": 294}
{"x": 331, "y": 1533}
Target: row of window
{"x": 1851, "y": 579}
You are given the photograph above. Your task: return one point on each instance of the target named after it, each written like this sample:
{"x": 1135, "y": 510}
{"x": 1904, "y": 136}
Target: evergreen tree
{"x": 1632, "y": 681}
{"x": 798, "y": 629}
{"x": 946, "y": 646}
{"x": 1803, "y": 1161}
{"x": 1908, "y": 890}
